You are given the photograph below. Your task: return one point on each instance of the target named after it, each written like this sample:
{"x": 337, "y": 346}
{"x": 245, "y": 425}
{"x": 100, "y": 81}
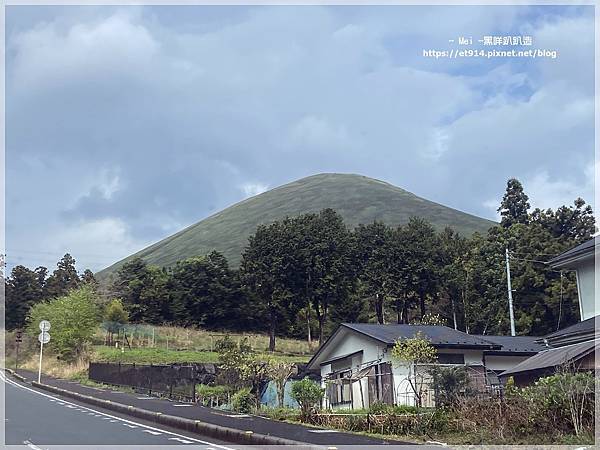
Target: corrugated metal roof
{"x": 440, "y": 336}
{"x": 515, "y": 344}
{"x": 553, "y": 357}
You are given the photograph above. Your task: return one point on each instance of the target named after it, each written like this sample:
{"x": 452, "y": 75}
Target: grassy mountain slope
{"x": 357, "y": 198}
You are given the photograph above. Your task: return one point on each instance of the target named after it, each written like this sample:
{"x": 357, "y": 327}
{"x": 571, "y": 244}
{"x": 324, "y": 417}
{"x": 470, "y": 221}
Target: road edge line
{"x": 194, "y": 426}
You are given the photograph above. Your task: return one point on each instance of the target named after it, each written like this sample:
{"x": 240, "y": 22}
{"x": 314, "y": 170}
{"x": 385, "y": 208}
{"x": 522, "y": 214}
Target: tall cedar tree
{"x": 326, "y": 262}
{"x": 144, "y": 291}
{"x": 515, "y": 205}
{"x": 24, "y": 288}
{"x": 204, "y": 291}
{"x": 269, "y": 271}
{"x": 373, "y": 260}
{"x": 63, "y": 279}
{"x": 422, "y": 261}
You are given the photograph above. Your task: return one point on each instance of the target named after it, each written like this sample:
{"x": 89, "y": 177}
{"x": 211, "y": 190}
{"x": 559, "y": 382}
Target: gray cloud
{"x": 128, "y": 124}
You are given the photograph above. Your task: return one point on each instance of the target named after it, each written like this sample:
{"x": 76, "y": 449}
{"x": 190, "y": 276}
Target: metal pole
{"x": 510, "y": 299}
{"x": 17, "y": 360}
{"x": 40, "y": 368}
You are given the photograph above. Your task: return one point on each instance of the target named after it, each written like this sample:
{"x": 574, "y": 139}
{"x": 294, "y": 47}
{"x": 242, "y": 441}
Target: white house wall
{"x": 588, "y": 306}
{"x": 344, "y": 344}
{"x": 504, "y": 362}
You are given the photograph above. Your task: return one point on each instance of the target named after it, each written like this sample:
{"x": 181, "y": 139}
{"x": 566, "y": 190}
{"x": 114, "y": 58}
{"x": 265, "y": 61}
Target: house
{"x": 574, "y": 347}
{"x": 581, "y": 259}
{"x": 357, "y": 370}
{"x": 514, "y": 350}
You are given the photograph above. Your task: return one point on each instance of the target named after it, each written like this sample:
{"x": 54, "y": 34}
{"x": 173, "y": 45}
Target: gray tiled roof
{"x": 585, "y": 326}
{"x": 553, "y": 357}
{"x": 580, "y": 250}
{"x": 515, "y": 344}
{"x": 439, "y": 336}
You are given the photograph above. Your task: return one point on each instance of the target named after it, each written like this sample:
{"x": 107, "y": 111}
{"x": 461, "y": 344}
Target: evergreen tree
{"x": 23, "y": 290}
{"x": 422, "y": 261}
{"x": 373, "y": 259}
{"x": 269, "y": 272}
{"x": 130, "y": 282}
{"x": 515, "y": 205}
{"x": 63, "y": 279}
{"x": 204, "y": 291}
{"x": 325, "y": 260}
{"x": 89, "y": 278}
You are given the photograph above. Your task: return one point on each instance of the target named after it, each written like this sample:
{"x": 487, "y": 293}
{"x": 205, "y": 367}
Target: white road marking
{"x": 237, "y": 416}
{"x": 145, "y": 398}
{"x": 31, "y": 445}
{"x": 130, "y": 426}
{"x": 180, "y": 436}
{"x": 183, "y": 441}
{"x": 323, "y": 431}
{"x": 183, "y": 405}
{"x": 155, "y": 433}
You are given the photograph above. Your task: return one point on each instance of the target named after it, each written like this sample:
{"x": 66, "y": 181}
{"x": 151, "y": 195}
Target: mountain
{"x": 357, "y": 198}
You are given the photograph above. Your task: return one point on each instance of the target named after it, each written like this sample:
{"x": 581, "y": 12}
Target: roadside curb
{"x": 15, "y": 374}
{"x": 195, "y": 426}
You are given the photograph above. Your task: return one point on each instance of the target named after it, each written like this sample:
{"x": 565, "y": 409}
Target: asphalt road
{"x": 37, "y": 419}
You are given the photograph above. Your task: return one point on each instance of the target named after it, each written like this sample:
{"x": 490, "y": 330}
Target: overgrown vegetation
{"x": 74, "y": 318}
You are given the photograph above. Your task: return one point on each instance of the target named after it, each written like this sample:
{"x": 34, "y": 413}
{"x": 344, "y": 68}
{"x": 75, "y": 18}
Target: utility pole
{"x": 510, "y": 299}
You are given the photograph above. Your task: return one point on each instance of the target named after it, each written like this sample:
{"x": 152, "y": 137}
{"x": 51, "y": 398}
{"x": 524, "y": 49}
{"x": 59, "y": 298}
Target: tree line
{"x": 25, "y": 287}
{"x": 301, "y": 276}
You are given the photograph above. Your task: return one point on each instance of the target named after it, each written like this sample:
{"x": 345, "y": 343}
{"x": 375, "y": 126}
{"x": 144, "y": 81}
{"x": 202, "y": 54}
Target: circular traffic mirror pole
{"x": 40, "y": 368}
{"x": 44, "y": 338}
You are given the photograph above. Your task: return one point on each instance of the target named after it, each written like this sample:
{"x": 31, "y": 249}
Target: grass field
{"x": 190, "y": 339}
{"x": 163, "y": 356}
{"x": 152, "y": 345}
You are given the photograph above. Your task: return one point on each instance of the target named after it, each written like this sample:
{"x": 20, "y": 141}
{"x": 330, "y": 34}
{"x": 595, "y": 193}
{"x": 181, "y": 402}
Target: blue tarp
{"x": 269, "y": 396}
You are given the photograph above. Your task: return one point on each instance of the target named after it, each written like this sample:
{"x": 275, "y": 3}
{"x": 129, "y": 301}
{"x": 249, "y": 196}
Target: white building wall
{"x": 501, "y": 363}
{"x": 588, "y": 304}
{"x": 347, "y": 343}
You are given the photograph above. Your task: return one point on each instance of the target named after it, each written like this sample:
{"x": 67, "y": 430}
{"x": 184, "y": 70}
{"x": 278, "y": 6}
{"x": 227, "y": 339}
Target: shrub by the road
{"x": 308, "y": 394}
{"x": 74, "y": 319}
{"x": 243, "y": 401}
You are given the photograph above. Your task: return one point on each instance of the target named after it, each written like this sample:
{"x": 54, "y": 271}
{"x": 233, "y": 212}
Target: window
{"x": 451, "y": 358}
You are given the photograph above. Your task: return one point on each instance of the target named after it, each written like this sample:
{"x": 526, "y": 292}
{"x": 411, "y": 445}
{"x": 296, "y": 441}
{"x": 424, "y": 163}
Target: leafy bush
{"x": 243, "y": 401}
{"x": 449, "y": 383}
{"x": 308, "y": 394}
{"x": 74, "y": 319}
{"x": 564, "y": 400}
{"x": 213, "y": 395}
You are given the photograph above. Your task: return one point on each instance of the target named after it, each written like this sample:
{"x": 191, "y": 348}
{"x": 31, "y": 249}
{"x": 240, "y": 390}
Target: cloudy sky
{"x": 125, "y": 124}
